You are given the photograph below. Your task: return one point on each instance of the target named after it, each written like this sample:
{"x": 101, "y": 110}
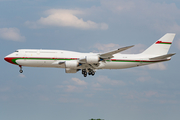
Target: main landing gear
{"x": 84, "y": 72}
{"x": 90, "y": 72}
{"x": 21, "y": 71}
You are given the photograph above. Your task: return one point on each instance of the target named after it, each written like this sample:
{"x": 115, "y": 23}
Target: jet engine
{"x": 69, "y": 70}
{"x": 92, "y": 59}
{"x": 71, "y": 64}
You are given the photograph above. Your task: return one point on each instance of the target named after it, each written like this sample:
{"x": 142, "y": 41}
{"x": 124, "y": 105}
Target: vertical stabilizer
{"x": 160, "y": 47}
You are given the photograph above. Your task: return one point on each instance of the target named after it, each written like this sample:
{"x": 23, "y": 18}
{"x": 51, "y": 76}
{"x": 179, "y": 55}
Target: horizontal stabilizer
{"x": 109, "y": 55}
{"x": 162, "y": 57}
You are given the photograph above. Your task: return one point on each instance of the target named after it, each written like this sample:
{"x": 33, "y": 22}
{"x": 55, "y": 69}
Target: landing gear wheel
{"x": 21, "y": 71}
{"x": 84, "y": 72}
{"x": 92, "y": 73}
{"x": 85, "y": 75}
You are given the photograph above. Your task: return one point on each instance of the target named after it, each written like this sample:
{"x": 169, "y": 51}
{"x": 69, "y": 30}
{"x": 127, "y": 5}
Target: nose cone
{"x": 9, "y": 59}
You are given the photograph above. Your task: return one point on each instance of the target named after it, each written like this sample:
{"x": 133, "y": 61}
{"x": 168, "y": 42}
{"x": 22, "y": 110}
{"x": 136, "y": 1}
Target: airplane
{"x": 89, "y": 63}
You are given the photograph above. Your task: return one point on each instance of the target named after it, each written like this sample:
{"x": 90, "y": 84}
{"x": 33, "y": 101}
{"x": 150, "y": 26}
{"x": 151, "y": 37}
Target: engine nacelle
{"x": 69, "y": 70}
{"x": 92, "y": 59}
{"x": 71, "y": 64}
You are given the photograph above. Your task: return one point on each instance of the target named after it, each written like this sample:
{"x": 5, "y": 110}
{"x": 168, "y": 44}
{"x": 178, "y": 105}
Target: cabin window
{"x": 47, "y": 52}
{"x": 31, "y": 51}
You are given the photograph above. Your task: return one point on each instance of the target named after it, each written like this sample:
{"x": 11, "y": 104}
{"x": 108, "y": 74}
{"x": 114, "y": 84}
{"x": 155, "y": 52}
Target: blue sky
{"x": 149, "y": 92}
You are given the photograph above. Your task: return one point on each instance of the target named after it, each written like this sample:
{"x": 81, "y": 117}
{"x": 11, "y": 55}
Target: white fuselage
{"x": 88, "y": 63}
{"x": 51, "y": 58}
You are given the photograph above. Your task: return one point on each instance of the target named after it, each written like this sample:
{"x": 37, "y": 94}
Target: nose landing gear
{"x": 21, "y": 71}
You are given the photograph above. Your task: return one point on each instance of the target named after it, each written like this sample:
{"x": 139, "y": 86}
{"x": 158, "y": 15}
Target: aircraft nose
{"x": 8, "y": 59}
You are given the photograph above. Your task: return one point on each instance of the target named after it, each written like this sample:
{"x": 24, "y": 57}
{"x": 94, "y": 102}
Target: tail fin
{"x": 160, "y": 47}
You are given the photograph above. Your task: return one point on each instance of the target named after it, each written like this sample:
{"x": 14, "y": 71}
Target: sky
{"x": 148, "y": 92}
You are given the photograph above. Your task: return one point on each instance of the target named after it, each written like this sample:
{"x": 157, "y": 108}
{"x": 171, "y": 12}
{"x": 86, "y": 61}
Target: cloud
{"x": 96, "y": 85}
{"x": 162, "y": 17}
{"x": 106, "y": 80}
{"x": 43, "y": 98}
{"x": 41, "y": 87}
{"x": 12, "y": 34}
{"x": 143, "y": 96}
{"x": 105, "y": 47}
{"x": 4, "y": 89}
{"x": 156, "y": 66}
{"x": 78, "y": 81}
{"x": 73, "y": 88}
{"x": 173, "y": 27}
{"x": 111, "y": 46}
{"x": 178, "y": 44}
{"x": 149, "y": 96}
{"x": 65, "y": 18}
{"x": 70, "y": 100}
{"x": 143, "y": 79}
{"x": 89, "y": 95}
{"x": 118, "y": 5}
{"x": 138, "y": 48}
{"x": 22, "y": 75}
{"x": 150, "y": 93}
{"x": 72, "y": 85}
{"x": 168, "y": 101}
{"x": 4, "y": 98}
{"x": 59, "y": 86}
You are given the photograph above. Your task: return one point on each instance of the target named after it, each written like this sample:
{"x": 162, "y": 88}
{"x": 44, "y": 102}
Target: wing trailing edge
{"x": 109, "y": 55}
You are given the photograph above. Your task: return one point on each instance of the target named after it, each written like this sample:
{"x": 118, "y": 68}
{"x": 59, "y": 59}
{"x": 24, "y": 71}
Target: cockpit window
{"x": 16, "y": 51}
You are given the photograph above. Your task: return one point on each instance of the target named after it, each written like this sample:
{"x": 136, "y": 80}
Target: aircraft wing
{"x": 104, "y": 56}
{"x": 162, "y": 57}
{"x": 109, "y": 55}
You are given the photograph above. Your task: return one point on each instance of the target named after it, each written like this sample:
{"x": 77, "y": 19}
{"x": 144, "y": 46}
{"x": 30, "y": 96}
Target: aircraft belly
{"x": 38, "y": 63}
{"x": 33, "y": 63}
{"x": 120, "y": 65}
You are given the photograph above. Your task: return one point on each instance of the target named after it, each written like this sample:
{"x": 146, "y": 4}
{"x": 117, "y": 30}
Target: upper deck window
{"x": 47, "y": 52}
{"x": 31, "y": 51}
